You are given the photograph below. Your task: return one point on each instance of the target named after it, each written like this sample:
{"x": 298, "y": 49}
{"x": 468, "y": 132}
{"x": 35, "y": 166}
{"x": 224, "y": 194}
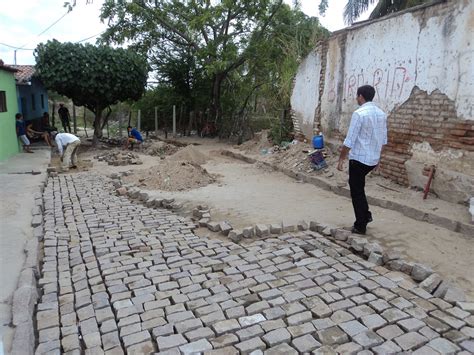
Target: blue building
{"x": 32, "y": 95}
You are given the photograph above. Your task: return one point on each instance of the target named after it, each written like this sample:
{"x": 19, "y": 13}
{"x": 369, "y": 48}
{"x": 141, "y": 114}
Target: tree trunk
{"x": 97, "y": 127}
{"x": 74, "y": 118}
{"x": 52, "y": 116}
{"x": 216, "y": 97}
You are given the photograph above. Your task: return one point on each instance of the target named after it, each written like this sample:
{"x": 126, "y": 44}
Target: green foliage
{"x": 92, "y": 76}
{"x": 228, "y": 61}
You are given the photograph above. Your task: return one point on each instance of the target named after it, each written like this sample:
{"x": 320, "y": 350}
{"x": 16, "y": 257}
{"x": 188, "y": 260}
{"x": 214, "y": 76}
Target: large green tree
{"x": 92, "y": 76}
{"x": 217, "y": 34}
{"x": 355, "y": 8}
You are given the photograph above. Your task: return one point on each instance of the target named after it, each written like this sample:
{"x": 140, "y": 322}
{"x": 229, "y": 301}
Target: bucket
{"x": 318, "y": 142}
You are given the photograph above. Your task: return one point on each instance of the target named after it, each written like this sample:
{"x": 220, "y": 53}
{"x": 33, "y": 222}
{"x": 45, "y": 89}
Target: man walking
{"x": 67, "y": 146}
{"x": 65, "y": 117}
{"x": 365, "y": 138}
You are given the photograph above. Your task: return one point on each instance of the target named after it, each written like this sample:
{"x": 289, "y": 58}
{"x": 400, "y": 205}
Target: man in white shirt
{"x": 67, "y": 146}
{"x": 364, "y": 141}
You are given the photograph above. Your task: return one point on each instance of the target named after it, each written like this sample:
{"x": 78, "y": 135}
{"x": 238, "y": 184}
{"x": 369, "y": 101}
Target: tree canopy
{"x": 354, "y": 8}
{"x": 215, "y": 55}
{"x": 92, "y": 76}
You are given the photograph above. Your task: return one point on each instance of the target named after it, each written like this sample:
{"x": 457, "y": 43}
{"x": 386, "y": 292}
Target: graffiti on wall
{"x": 388, "y": 83}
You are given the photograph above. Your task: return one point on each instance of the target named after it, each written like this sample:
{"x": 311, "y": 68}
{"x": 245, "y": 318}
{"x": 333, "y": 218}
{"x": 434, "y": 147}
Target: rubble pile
{"x": 118, "y": 158}
{"x": 161, "y": 149}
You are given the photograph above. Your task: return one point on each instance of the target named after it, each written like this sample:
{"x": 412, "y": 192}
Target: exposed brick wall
{"x": 423, "y": 118}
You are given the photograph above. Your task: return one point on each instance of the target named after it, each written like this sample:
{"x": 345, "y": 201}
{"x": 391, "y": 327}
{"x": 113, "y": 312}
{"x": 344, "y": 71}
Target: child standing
{"x": 21, "y": 133}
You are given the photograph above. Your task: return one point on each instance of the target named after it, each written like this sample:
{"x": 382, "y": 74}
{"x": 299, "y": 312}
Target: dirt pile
{"x": 119, "y": 158}
{"x": 260, "y": 142}
{"x": 189, "y": 154}
{"x": 171, "y": 175}
{"x": 161, "y": 149}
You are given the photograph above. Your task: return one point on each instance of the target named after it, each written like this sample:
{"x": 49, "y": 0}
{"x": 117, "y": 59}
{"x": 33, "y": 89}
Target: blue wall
{"x": 32, "y": 100}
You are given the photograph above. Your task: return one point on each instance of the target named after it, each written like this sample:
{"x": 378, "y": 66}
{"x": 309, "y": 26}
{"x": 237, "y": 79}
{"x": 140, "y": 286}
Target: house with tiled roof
{"x": 8, "y": 108}
{"x": 32, "y": 95}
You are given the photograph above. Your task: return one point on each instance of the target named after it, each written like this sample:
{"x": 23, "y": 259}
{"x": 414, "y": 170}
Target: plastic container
{"x": 318, "y": 142}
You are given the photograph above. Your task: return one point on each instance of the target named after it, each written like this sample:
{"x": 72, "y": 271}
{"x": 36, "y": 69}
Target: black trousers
{"x": 357, "y": 173}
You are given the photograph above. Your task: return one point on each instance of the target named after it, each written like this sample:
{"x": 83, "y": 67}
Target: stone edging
{"x": 416, "y": 214}
{"x": 431, "y": 284}
{"x": 26, "y": 295}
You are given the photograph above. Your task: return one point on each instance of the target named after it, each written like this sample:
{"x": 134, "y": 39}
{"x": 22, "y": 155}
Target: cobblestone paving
{"x": 121, "y": 278}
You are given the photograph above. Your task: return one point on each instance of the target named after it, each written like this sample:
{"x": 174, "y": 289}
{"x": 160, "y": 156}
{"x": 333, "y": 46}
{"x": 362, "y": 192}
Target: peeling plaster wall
{"x": 305, "y": 94}
{"x": 420, "y": 62}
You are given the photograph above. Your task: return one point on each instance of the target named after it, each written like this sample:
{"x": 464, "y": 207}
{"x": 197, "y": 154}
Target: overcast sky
{"x": 23, "y": 21}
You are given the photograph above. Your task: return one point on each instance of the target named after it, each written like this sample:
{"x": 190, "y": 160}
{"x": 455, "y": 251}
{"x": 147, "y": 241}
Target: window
{"x": 3, "y": 102}
{"x": 33, "y": 103}
{"x": 42, "y": 101}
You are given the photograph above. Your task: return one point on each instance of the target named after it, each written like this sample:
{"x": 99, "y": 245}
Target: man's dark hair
{"x": 18, "y": 115}
{"x": 367, "y": 92}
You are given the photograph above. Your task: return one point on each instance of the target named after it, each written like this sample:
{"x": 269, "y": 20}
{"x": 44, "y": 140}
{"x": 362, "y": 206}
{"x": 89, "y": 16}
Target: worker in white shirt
{"x": 67, "y": 146}
{"x": 364, "y": 141}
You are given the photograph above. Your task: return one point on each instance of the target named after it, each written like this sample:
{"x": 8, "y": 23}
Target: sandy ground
{"x": 246, "y": 194}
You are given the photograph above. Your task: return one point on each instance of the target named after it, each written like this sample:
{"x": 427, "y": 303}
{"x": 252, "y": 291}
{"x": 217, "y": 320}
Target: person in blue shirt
{"x": 21, "y": 133}
{"x": 134, "y": 137}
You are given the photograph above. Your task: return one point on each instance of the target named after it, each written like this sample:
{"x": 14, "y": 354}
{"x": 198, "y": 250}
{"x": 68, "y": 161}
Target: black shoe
{"x": 369, "y": 219}
{"x": 354, "y": 230}
{"x": 73, "y": 167}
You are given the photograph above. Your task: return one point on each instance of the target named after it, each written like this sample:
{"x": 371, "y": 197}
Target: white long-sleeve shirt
{"x": 367, "y": 134}
{"x": 63, "y": 139}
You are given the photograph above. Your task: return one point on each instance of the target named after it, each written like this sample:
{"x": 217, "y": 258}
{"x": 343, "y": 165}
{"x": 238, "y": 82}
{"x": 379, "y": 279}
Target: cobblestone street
{"x": 118, "y": 277}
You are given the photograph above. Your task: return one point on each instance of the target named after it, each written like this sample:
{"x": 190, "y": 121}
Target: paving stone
{"x": 145, "y": 347}
{"x": 368, "y": 339}
{"x": 446, "y": 318}
{"x": 250, "y": 332}
{"x": 281, "y": 349}
{"x": 225, "y": 326}
{"x": 276, "y": 337}
{"x": 198, "y": 346}
{"x": 388, "y": 347}
{"x": 352, "y": 327}
{"x": 247, "y": 346}
{"x": 411, "y": 324}
{"x": 390, "y": 331}
{"x": 170, "y": 341}
{"x": 332, "y": 335}
{"x": 305, "y": 343}
{"x": 224, "y": 340}
{"x": 200, "y": 333}
{"x": 420, "y": 272}
{"x": 349, "y": 348}
{"x": 410, "y": 341}
{"x": 110, "y": 340}
{"x": 136, "y": 338}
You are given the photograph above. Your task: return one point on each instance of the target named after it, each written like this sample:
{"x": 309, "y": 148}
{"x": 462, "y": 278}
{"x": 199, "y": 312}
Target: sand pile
{"x": 190, "y": 155}
{"x": 161, "y": 149}
{"x": 171, "y": 175}
{"x": 258, "y": 143}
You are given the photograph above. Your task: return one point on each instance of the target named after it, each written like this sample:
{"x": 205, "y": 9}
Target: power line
{"x": 17, "y": 48}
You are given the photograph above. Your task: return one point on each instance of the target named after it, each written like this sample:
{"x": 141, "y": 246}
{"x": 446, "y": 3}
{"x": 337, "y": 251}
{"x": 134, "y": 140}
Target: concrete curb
{"x": 419, "y": 215}
{"x": 26, "y": 295}
{"x": 429, "y": 283}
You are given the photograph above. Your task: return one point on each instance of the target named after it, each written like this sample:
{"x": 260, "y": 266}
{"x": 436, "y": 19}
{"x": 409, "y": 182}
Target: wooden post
{"x": 85, "y": 122}
{"x": 156, "y": 121}
{"x": 120, "y": 124}
{"x": 74, "y": 118}
{"x": 174, "y": 121}
{"x": 139, "y": 120}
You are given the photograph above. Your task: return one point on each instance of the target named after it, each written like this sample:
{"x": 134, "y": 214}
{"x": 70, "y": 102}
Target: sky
{"x": 24, "y": 24}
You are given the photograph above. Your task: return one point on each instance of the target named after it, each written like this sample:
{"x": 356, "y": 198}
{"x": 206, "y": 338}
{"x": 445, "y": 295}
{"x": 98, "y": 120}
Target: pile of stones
{"x": 119, "y": 158}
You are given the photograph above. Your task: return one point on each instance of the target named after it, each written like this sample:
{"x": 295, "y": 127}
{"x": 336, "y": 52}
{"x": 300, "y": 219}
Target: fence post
{"x": 174, "y": 121}
{"x": 139, "y": 120}
{"x": 156, "y": 121}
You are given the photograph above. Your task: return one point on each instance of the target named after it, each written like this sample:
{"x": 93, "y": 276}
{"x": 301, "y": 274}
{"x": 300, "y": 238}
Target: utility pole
{"x": 174, "y": 121}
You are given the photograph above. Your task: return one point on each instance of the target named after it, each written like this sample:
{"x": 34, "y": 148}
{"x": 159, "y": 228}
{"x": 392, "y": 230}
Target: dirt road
{"x": 246, "y": 194}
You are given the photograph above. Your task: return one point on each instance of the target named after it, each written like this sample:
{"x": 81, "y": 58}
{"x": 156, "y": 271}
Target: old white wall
{"x": 305, "y": 95}
{"x": 426, "y": 48}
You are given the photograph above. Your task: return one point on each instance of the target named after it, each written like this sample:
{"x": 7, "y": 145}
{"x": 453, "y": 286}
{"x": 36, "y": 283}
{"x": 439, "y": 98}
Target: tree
{"x": 355, "y": 8}
{"x": 217, "y": 34}
{"x": 92, "y": 76}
